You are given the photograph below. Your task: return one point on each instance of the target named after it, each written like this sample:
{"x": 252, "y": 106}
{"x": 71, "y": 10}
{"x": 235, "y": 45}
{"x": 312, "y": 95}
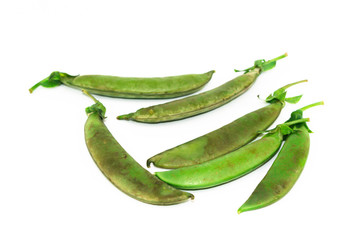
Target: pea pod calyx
{"x": 298, "y": 114}
{"x": 280, "y": 94}
{"x": 263, "y": 65}
{"x": 53, "y": 80}
{"x": 97, "y": 108}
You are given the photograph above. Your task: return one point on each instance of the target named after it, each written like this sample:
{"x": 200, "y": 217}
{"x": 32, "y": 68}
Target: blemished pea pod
{"x": 130, "y": 87}
{"x": 120, "y": 168}
{"x": 227, "y": 138}
{"x": 203, "y": 102}
{"x": 286, "y": 168}
{"x": 230, "y": 166}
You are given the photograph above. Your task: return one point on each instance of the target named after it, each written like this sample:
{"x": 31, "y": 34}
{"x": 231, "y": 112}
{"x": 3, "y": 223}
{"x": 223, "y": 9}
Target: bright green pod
{"x": 227, "y": 138}
{"x": 121, "y": 169}
{"x": 130, "y": 87}
{"x": 229, "y": 166}
{"x": 203, "y": 102}
{"x": 286, "y": 168}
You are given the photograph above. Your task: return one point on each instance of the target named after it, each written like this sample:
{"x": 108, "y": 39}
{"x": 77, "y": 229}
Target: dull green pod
{"x": 285, "y": 170}
{"x": 227, "y": 138}
{"x": 121, "y": 169}
{"x": 229, "y": 166}
{"x": 203, "y": 102}
{"x": 130, "y": 87}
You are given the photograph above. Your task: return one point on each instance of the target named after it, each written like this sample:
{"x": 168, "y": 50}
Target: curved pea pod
{"x": 130, "y": 87}
{"x": 229, "y": 166}
{"x": 121, "y": 169}
{"x": 227, "y": 138}
{"x": 203, "y": 102}
{"x": 285, "y": 170}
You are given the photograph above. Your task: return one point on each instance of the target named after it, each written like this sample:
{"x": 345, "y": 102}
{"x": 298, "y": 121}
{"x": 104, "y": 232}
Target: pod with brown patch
{"x": 120, "y": 168}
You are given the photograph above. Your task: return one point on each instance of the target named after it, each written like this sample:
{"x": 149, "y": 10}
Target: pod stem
{"x": 290, "y": 85}
{"x": 38, "y": 84}
{"x": 263, "y": 65}
{"x": 303, "y": 120}
{"x": 89, "y": 95}
{"x": 311, "y": 105}
{"x": 277, "y": 58}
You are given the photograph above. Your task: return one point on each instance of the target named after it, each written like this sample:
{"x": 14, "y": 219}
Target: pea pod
{"x": 130, "y": 87}
{"x": 120, "y": 168}
{"x": 286, "y": 168}
{"x": 203, "y": 102}
{"x": 227, "y": 138}
{"x": 229, "y": 166}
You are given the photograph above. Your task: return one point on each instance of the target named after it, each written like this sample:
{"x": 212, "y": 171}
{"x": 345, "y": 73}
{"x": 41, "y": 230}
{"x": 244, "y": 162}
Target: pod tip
{"x": 192, "y": 197}
{"x": 286, "y": 54}
{"x": 125, "y": 116}
{"x": 148, "y": 163}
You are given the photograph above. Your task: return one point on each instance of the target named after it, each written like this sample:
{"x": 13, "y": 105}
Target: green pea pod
{"x": 286, "y": 168}
{"x": 227, "y": 138}
{"x": 120, "y": 168}
{"x": 130, "y": 87}
{"x": 203, "y": 102}
{"x": 229, "y": 166}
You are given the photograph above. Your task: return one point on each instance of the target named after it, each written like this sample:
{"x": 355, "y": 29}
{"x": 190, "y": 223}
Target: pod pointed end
{"x": 125, "y": 116}
{"x": 148, "y": 163}
{"x": 191, "y": 196}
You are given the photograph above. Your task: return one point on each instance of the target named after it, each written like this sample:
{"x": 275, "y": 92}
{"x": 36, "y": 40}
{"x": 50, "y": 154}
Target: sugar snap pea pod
{"x": 229, "y": 166}
{"x": 286, "y": 168}
{"x": 227, "y": 138}
{"x": 120, "y": 168}
{"x": 203, "y": 102}
{"x": 130, "y": 87}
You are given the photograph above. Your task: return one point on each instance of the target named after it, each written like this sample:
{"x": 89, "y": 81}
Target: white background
{"x": 50, "y": 187}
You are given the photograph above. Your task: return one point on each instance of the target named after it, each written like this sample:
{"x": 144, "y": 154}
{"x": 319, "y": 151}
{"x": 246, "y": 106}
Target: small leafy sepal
{"x": 287, "y": 127}
{"x": 263, "y": 64}
{"x": 53, "y": 80}
{"x": 298, "y": 114}
{"x": 97, "y": 108}
{"x": 280, "y": 94}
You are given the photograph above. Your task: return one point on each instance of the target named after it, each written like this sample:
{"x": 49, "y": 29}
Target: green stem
{"x": 38, "y": 84}
{"x": 292, "y": 84}
{"x": 277, "y": 58}
{"x": 311, "y": 105}
{"x": 297, "y": 121}
{"x": 89, "y": 95}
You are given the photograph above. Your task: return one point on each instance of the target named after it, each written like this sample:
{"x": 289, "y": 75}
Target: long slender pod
{"x": 130, "y": 87}
{"x": 286, "y": 169}
{"x": 229, "y": 166}
{"x": 120, "y": 168}
{"x": 203, "y": 102}
{"x": 227, "y": 138}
